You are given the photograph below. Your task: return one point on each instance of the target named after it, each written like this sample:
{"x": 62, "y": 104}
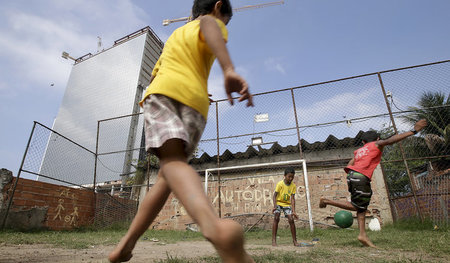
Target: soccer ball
{"x": 343, "y": 219}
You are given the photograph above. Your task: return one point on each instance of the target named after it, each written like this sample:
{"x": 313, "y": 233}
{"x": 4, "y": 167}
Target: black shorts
{"x": 359, "y": 188}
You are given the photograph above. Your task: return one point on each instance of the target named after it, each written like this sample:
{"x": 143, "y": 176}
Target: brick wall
{"x": 43, "y": 205}
{"x": 65, "y": 207}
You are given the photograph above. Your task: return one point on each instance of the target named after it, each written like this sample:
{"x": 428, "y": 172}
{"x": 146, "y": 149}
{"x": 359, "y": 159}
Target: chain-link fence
{"x": 52, "y": 165}
{"x": 316, "y": 121}
{"x": 321, "y": 123}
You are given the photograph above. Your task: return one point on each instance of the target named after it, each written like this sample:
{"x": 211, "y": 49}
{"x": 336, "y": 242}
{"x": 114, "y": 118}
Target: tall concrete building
{"x": 105, "y": 85}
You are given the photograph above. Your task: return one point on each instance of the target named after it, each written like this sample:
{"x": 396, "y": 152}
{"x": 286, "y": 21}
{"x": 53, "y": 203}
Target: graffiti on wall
{"x": 71, "y": 216}
{"x": 255, "y": 197}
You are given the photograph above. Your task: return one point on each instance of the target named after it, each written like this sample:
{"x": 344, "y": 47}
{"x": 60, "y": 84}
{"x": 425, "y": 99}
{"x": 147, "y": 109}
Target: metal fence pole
{"x": 305, "y": 175}
{"x": 218, "y": 159}
{"x": 17, "y": 178}
{"x": 296, "y": 125}
{"x": 413, "y": 185}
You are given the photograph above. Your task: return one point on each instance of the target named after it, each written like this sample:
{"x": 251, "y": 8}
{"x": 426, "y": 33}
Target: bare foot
{"x": 322, "y": 203}
{"x": 121, "y": 253}
{"x": 274, "y": 244}
{"x": 229, "y": 242}
{"x": 366, "y": 242}
{"x": 296, "y": 244}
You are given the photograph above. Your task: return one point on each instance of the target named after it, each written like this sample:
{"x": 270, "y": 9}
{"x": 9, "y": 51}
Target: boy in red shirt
{"x": 359, "y": 175}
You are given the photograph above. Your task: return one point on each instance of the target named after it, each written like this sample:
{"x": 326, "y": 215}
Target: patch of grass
{"x": 78, "y": 239}
{"x": 85, "y": 238}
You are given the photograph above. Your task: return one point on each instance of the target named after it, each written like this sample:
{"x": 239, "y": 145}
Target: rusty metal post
{"x": 94, "y": 205}
{"x": 305, "y": 179}
{"x": 218, "y": 159}
{"x": 413, "y": 185}
{"x": 296, "y": 124}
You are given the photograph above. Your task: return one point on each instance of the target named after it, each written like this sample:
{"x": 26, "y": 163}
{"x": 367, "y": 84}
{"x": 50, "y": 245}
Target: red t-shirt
{"x": 366, "y": 160}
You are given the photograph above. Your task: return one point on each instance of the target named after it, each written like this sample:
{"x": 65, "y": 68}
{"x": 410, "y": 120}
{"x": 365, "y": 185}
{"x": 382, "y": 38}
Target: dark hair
{"x": 289, "y": 170}
{"x": 370, "y": 136}
{"x": 204, "y": 7}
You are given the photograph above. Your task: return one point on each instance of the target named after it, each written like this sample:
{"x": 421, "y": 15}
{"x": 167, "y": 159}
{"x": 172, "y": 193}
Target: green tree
{"x": 435, "y": 108}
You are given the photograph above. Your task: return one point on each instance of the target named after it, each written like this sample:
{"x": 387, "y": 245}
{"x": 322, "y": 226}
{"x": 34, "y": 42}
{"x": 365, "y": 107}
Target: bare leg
{"x": 341, "y": 204}
{"x": 361, "y": 217}
{"x": 362, "y": 237}
{"x": 150, "y": 207}
{"x": 293, "y": 230}
{"x": 227, "y": 236}
{"x": 276, "y": 219}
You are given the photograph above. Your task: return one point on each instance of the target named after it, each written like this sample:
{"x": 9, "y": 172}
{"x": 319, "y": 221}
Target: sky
{"x": 297, "y": 43}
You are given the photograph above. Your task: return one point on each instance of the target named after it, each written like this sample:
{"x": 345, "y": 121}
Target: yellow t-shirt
{"x": 182, "y": 70}
{"x": 284, "y": 193}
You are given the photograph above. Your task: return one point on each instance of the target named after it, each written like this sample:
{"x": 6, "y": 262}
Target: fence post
{"x": 413, "y": 185}
{"x": 296, "y": 125}
{"x": 218, "y": 159}
{"x": 305, "y": 175}
{"x": 96, "y": 155}
{"x": 17, "y": 178}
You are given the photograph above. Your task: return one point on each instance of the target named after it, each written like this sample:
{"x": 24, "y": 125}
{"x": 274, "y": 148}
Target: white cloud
{"x": 32, "y": 43}
{"x": 274, "y": 64}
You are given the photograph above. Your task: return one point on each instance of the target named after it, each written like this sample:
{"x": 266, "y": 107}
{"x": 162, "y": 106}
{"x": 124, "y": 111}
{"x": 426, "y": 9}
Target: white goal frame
{"x": 305, "y": 179}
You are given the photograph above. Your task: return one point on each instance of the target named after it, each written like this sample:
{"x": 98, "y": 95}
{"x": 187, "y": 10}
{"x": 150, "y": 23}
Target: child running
{"x": 175, "y": 110}
{"x": 284, "y": 200}
{"x": 359, "y": 175}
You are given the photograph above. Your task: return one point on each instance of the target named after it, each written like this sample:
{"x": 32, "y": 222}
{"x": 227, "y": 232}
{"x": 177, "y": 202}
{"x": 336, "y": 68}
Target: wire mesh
{"x": 53, "y": 158}
{"x": 323, "y": 127}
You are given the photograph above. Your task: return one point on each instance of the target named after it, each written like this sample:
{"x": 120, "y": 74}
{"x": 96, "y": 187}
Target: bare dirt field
{"x": 147, "y": 251}
{"x": 143, "y": 252}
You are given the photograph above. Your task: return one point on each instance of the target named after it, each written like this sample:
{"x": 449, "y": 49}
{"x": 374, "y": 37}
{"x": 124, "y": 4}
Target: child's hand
{"x": 273, "y": 210}
{"x": 420, "y": 124}
{"x": 295, "y": 215}
{"x": 235, "y": 83}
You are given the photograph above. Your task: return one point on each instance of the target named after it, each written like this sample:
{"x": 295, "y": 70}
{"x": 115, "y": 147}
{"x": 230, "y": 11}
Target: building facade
{"x": 101, "y": 86}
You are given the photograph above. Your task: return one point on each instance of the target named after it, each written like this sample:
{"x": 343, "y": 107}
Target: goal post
{"x": 271, "y": 164}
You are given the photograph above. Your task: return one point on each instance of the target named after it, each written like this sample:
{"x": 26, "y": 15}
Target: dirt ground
{"x": 143, "y": 252}
{"x": 154, "y": 251}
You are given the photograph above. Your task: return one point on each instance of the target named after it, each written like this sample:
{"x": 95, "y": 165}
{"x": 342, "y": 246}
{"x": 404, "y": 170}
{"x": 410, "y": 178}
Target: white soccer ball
{"x": 374, "y": 225}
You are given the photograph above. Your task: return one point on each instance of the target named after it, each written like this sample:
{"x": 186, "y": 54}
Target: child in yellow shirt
{"x": 284, "y": 200}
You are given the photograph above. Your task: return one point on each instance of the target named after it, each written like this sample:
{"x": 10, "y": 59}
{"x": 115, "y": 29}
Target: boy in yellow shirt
{"x": 284, "y": 200}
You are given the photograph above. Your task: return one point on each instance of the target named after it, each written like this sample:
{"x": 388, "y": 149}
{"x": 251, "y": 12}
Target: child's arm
{"x": 418, "y": 126}
{"x": 233, "y": 81}
{"x": 293, "y": 206}
{"x": 275, "y": 194}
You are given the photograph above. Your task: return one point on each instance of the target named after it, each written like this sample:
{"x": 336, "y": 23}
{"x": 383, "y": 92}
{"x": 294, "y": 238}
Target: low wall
{"x": 38, "y": 205}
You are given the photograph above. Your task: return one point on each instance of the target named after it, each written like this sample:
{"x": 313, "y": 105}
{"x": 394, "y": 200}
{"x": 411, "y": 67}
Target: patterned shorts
{"x": 287, "y": 210}
{"x": 360, "y": 190}
{"x": 167, "y": 119}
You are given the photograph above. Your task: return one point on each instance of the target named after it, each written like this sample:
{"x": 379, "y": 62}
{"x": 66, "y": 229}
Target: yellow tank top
{"x": 182, "y": 70}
